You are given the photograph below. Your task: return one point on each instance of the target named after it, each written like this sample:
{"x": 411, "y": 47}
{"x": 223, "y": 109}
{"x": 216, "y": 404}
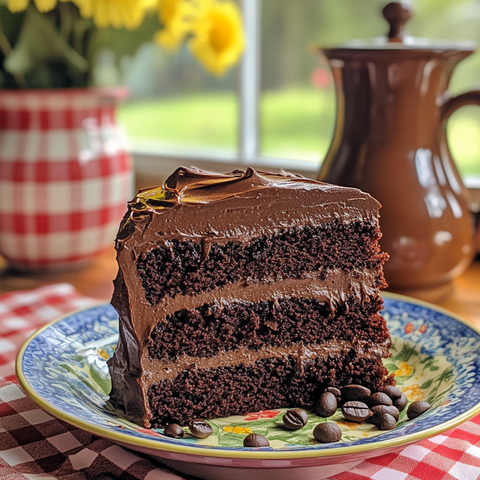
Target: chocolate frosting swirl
{"x": 192, "y": 185}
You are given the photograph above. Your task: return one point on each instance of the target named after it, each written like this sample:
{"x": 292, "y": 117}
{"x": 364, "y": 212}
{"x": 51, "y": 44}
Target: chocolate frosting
{"x": 217, "y": 208}
{"x": 236, "y": 206}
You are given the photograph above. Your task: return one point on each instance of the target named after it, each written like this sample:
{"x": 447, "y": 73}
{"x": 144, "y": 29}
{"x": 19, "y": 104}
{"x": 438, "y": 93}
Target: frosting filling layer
{"x": 334, "y": 290}
{"x": 159, "y": 370}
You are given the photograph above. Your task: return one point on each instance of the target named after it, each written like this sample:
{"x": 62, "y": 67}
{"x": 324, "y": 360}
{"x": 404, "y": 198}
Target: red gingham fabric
{"x": 65, "y": 175}
{"x": 35, "y": 445}
{"x": 21, "y": 313}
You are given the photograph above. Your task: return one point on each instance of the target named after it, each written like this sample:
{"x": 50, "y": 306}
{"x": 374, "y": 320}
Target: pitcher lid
{"x": 397, "y": 15}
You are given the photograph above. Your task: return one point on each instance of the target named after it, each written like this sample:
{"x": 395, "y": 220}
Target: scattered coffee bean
{"x": 327, "y": 432}
{"x": 200, "y": 428}
{"x": 392, "y": 392}
{"x": 355, "y": 393}
{"x": 295, "y": 419}
{"x": 326, "y": 405}
{"x": 336, "y": 392}
{"x": 173, "y": 430}
{"x": 415, "y": 409}
{"x": 390, "y": 409}
{"x": 255, "y": 440}
{"x": 401, "y": 402}
{"x": 355, "y": 411}
{"x": 378, "y": 398}
{"x": 383, "y": 421}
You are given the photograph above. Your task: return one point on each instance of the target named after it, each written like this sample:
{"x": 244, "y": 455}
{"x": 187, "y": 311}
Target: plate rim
{"x": 245, "y": 454}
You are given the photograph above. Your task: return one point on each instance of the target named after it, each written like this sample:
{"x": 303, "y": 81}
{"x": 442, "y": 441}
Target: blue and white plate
{"x": 435, "y": 357}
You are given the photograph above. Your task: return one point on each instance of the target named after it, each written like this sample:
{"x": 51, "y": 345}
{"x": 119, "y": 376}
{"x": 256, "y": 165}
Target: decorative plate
{"x": 436, "y": 357}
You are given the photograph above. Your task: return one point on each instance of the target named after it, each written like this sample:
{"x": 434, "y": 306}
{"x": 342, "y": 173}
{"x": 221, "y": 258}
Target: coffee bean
{"x": 326, "y": 405}
{"x": 392, "y": 392}
{"x": 401, "y": 402}
{"x": 355, "y": 411}
{"x": 295, "y": 419}
{"x": 390, "y": 409}
{"x": 200, "y": 428}
{"x": 355, "y": 393}
{"x": 383, "y": 421}
{"x": 173, "y": 430}
{"x": 255, "y": 440}
{"x": 336, "y": 392}
{"x": 327, "y": 432}
{"x": 378, "y": 398}
{"x": 415, "y": 409}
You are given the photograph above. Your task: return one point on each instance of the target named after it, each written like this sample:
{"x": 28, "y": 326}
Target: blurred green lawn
{"x": 201, "y": 120}
{"x": 295, "y": 123}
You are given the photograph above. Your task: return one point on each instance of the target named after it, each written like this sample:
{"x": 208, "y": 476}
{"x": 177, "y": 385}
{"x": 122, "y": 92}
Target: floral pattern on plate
{"x": 435, "y": 357}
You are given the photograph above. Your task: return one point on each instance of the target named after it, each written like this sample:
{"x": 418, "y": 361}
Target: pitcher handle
{"x": 454, "y": 103}
{"x": 450, "y": 106}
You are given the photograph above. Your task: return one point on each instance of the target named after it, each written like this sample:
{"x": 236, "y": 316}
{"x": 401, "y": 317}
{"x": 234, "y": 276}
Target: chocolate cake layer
{"x": 212, "y": 329}
{"x": 188, "y": 268}
{"x": 268, "y": 384}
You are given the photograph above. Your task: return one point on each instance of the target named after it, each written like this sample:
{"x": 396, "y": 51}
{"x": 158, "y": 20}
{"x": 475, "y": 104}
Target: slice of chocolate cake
{"x": 243, "y": 292}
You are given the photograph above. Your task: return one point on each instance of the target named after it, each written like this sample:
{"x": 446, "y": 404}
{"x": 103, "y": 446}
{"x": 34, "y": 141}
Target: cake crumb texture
{"x": 210, "y": 329}
{"x": 269, "y": 384}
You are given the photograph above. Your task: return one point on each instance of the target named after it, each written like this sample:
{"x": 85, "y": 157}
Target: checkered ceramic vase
{"x": 65, "y": 175}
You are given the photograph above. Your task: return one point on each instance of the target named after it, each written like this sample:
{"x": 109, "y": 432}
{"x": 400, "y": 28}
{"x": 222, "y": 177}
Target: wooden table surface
{"x": 96, "y": 281}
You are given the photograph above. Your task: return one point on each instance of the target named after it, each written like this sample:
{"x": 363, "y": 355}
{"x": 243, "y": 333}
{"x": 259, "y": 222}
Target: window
{"x": 277, "y": 109}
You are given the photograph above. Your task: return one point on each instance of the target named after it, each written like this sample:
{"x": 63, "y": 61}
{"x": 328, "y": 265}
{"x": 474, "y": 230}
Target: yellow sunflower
{"x": 20, "y": 5}
{"x": 114, "y": 13}
{"x": 176, "y": 17}
{"x": 218, "y": 36}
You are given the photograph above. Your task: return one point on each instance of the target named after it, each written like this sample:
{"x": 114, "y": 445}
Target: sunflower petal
{"x": 17, "y": 5}
{"x": 218, "y": 40}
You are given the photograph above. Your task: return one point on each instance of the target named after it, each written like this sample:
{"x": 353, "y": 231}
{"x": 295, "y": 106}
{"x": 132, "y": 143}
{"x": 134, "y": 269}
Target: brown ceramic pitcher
{"x": 390, "y": 141}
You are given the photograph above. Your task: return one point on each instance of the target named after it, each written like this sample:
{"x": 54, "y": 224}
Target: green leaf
{"x": 11, "y": 23}
{"x": 433, "y": 394}
{"x": 215, "y": 429}
{"x": 433, "y": 369}
{"x": 230, "y": 439}
{"x": 42, "y": 55}
{"x": 120, "y": 41}
{"x": 101, "y": 380}
{"x": 300, "y": 440}
{"x": 426, "y": 384}
{"x": 107, "y": 47}
{"x": 445, "y": 375}
{"x": 76, "y": 374}
{"x": 391, "y": 367}
{"x": 407, "y": 351}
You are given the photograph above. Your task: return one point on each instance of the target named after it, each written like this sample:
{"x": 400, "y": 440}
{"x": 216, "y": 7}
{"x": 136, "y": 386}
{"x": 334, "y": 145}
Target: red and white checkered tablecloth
{"x": 34, "y": 445}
